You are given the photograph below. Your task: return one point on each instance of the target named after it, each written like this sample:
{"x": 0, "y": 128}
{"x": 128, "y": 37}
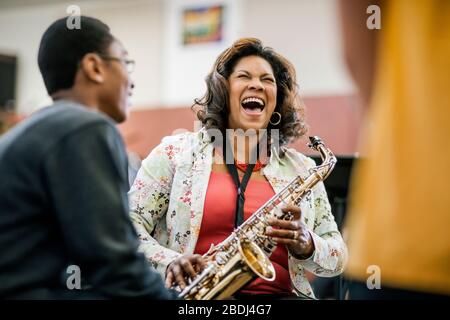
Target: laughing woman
{"x": 184, "y": 197}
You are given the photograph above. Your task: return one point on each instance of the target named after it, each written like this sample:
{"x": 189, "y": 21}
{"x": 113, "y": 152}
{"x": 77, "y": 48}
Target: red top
{"x": 218, "y": 223}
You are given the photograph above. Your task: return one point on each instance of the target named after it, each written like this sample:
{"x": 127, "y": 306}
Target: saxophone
{"x": 243, "y": 256}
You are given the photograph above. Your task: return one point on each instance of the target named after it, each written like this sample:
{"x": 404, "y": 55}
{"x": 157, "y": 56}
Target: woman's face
{"x": 253, "y": 94}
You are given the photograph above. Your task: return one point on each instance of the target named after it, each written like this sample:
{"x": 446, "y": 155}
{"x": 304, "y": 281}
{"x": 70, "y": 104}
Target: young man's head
{"x": 88, "y": 65}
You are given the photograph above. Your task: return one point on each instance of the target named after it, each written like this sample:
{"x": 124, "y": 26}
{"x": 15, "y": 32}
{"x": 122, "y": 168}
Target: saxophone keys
{"x": 221, "y": 258}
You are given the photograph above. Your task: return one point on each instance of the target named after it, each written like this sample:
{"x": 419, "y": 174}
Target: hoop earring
{"x": 277, "y": 122}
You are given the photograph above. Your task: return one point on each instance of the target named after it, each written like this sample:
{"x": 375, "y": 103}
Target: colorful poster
{"x": 202, "y": 25}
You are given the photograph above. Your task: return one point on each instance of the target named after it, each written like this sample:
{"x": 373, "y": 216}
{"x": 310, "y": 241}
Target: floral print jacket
{"x": 167, "y": 198}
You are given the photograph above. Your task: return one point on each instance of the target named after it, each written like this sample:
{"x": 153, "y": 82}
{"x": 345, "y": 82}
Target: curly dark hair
{"x": 214, "y": 105}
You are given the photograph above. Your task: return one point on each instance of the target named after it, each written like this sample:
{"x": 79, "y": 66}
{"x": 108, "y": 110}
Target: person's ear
{"x": 93, "y": 67}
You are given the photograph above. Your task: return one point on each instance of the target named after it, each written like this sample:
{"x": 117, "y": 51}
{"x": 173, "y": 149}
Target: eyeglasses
{"x": 129, "y": 63}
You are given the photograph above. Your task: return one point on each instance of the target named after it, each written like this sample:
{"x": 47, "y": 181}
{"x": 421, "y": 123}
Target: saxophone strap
{"x": 241, "y": 186}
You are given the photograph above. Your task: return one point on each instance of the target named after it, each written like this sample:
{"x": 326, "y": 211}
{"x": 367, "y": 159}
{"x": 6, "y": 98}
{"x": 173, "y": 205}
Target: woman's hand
{"x": 186, "y": 266}
{"x": 294, "y": 234}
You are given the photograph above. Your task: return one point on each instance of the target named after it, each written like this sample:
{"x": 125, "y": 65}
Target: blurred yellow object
{"x": 400, "y": 214}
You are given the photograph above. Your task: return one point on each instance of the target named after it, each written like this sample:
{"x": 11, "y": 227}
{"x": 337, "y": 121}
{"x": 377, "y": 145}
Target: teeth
{"x": 251, "y": 99}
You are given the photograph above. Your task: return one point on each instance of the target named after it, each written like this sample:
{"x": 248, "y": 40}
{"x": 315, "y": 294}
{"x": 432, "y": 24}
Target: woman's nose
{"x": 256, "y": 84}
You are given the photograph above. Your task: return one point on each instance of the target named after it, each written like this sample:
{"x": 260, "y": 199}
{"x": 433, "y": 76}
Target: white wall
{"x": 20, "y": 33}
{"x": 185, "y": 67}
{"x": 307, "y": 33}
{"x": 137, "y": 23}
{"x": 304, "y": 31}
{"x": 168, "y": 74}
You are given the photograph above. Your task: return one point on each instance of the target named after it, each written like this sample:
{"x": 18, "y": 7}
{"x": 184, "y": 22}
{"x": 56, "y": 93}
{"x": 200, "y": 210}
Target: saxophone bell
{"x": 255, "y": 258}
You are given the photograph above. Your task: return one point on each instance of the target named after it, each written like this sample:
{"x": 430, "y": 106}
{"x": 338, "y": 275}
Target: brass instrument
{"x": 243, "y": 256}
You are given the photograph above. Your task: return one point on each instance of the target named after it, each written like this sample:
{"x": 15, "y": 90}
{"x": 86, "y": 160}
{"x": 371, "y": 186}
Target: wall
{"x": 169, "y": 76}
{"x": 185, "y": 67}
{"x": 335, "y": 119}
{"x": 137, "y": 23}
{"x": 167, "y": 73}
{"x": 21, "y": 31}
{"x": 307, "y": 33}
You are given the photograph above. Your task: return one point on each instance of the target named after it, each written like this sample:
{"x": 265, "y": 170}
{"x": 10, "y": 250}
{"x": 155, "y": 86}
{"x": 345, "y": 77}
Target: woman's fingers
{"x": 179, "y": 276}
{"x": 283, "y": 224}
{"x": 292, "y": 233}
{"x": 294, "y": 210}
{"x": 291, "y": 239}
{"x": 285, "y": 241}
{"x": 186, "y": 266}
{"x": 198, "y": 263}
{"x": 169, "y": 279}
{"x": 285, "y": 228}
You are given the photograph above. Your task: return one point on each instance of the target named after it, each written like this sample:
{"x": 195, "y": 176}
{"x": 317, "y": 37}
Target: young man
{"x": 63, "y": 189}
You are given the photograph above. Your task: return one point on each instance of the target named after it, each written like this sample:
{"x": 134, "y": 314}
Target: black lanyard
{"x": 240, "y": 185}
{"x": 240, "y": 199}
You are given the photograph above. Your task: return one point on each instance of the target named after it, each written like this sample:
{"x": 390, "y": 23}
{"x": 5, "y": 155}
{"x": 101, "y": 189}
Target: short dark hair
{"x": 215, "y": 104}
{"x": 61, "y": 49}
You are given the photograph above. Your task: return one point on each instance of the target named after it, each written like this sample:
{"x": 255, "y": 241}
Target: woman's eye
{"x": 242, "y": 76}
{"x": 269, "y": 80}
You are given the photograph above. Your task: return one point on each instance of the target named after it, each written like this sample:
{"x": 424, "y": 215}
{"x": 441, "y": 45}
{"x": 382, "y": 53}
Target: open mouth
{"x": 253, "y": 105}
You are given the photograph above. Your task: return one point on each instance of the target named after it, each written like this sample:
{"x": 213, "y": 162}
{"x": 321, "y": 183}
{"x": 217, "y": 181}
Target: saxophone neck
{"x": 328, "y": 158}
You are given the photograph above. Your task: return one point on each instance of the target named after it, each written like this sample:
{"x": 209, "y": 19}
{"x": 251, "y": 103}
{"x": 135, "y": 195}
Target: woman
{"x": 184, "y": 196}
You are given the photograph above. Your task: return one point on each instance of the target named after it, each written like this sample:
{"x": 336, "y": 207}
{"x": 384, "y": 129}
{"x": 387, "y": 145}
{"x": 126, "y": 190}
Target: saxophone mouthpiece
{"x": 314, "y": 142}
